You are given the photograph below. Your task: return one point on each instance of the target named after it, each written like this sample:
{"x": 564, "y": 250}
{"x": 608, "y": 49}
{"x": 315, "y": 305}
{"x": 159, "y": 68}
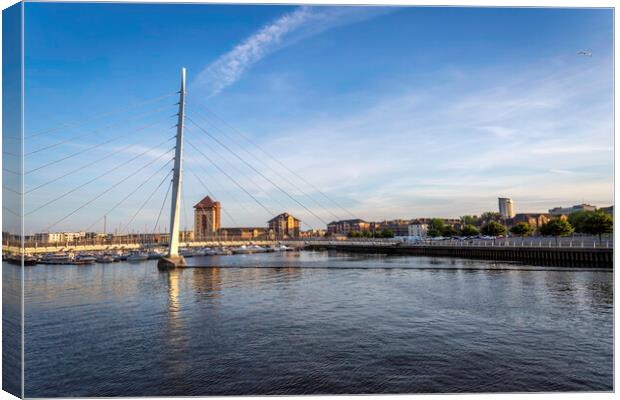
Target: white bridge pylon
{"x": 173, "y": 258}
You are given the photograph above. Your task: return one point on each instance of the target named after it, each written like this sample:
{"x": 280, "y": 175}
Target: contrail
{"x": 289, "y": 28}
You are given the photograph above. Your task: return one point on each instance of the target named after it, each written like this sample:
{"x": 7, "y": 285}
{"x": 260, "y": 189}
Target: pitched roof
{"x": 283, "y": 215}
{"x": 348, "y": 221}
{"x": 207, "y": 202}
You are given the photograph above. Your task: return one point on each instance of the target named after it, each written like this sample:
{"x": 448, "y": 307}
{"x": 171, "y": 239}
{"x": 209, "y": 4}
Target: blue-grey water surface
{"x": 315, "y": 322}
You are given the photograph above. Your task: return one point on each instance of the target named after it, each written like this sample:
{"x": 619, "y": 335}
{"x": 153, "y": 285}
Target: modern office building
{"x": 206, "y": 219}
{"x": 506, "y": 207}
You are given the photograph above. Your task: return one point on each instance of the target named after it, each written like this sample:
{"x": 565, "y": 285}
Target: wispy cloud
{"x": 286, "y": 30}
{"x": 576, "y": 149}
{"x": 413, "y": 152}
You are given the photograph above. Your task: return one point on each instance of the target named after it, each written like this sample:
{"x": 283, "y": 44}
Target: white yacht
{"x": 58, "y": 258}
{"x": 243, "y": 249}
{"x": 137, "y": 256}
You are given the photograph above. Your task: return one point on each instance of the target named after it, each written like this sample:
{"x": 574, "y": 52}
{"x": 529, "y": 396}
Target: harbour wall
{"x": 555, "y": 257}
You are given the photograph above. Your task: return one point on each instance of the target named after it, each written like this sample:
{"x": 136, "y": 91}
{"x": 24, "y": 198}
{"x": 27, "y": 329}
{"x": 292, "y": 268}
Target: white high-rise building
{"x": 506, "y": 207}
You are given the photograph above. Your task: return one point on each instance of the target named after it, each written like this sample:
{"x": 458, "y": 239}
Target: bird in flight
{"x": 584, "y": 53}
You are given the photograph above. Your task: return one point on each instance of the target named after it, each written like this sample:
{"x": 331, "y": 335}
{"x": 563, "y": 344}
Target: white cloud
{"x": 289, "y": 28}
{"x": 575, "y": 149}
{"x": 415, "y": 153}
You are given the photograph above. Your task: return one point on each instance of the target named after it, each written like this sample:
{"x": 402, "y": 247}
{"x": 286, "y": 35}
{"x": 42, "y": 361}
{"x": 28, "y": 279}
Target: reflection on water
{"x": 315, "y": 322}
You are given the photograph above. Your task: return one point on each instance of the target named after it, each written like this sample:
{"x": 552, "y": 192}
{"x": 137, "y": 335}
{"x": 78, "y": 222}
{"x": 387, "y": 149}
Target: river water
{"x": 315, "y": 322}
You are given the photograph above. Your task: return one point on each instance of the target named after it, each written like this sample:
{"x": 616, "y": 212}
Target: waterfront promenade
{"x": 575, "y": 252}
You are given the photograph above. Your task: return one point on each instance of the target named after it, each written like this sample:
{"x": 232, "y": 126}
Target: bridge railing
{"x": 547, "y": 242}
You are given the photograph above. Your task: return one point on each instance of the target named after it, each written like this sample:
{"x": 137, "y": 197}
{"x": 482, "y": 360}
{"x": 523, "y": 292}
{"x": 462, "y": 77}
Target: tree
{"x": 556, "y": 227}
{"x": 449, "y": 231}
{"x": 387, "y": 233}
{"x": 522, "y": 229}
{"x": 493, "y": 228}
{"x": 597, "y": 223}
{"x": 577, "y": 219}
{"x": 488, "y": 217}
{"x": 436, "y": 227}
{"x": 469, "y": 230}
{"x": 469, "y": 220}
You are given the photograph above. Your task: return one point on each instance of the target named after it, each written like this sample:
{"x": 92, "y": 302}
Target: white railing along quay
{"x": 512, "y": 243}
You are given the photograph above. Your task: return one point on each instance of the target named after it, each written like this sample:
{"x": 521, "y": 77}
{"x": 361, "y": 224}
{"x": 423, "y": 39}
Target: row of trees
{"x": 490, "y": 224}
{"x": 437, "y": 227}
{"x": 589, "y": 222}
{"x": 479, "y": 221}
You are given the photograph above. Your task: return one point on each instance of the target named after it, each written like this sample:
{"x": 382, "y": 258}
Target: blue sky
{"x": 392, "y": 112}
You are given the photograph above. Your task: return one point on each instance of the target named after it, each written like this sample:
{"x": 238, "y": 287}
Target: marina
{"x": 313, "y": 322}
{"x": 135, "y": 256}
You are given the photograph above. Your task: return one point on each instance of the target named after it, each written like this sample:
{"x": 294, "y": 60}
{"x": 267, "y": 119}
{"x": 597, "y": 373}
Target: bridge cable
{"x": 107, "y": 190}
{"x": 211, "y": 177}
{"x": 232, "y": 179}
{"x": 212, "y": 195}
{"x": 105, "y": 114}
{"x": 100, "y": 176}
{"x": 87, "y": 149}
{"x": 249, "y": 179}
{"x": 145, "y": 202}
{"x": 82, "y": 167}
{"x": 163, "y": 204}
{"x": 12, "y": 172}
{"x": 256, "y": 170}
{"x": 92, "y": 132}
{"x": 184, "y": 209}
{"x": 235, "y": 199}
{"x": 130, "y": 194}
{"x": 11, "y": 211}
{"x": 11, "y": 190}
{"x": 298, "y": 176}
{"x": 287, "y": 180}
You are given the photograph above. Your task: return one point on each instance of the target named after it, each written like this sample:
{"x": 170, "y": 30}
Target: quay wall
{"x": 555, "y": 257}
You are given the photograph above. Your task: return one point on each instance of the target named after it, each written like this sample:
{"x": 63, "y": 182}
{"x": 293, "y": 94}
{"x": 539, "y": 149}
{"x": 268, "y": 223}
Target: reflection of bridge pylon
{"x": 173, "y": 259}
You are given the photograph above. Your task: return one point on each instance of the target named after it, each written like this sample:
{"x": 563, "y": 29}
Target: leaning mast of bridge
{"x": 173, "y": 259}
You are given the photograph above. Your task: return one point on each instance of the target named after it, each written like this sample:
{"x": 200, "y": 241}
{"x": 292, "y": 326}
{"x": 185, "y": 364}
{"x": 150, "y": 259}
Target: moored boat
{"x": 83, "y": 259}
{"x": 57, "y": 258}
{"x": 282, "y": 247}
{"x": 30, "y": 260}
{"x": 137, "y": 257}
{"x": 154, "y": 255}
{"x": 243, "y": 249}
{"x": 17, "y": 259}
{"x": 105, "y": 259}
